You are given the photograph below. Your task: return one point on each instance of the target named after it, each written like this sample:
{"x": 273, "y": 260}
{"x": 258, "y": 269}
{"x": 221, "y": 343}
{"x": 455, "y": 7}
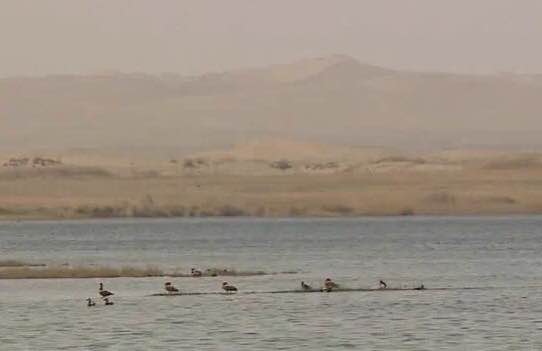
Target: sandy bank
{"x": 38, "y": 271}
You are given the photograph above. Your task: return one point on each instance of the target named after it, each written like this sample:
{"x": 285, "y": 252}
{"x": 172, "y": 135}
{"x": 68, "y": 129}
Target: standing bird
{"x": 195, "y": 273}
{"x": 104, "y": 293}
{"x": 170, "y": 288}
{"x": 90, "y": 303}
{"x": 228, "y": 288}
{"x": 383, "y": 284}
{"x": 329, "y": 285}
{"x": 305, "y": 286}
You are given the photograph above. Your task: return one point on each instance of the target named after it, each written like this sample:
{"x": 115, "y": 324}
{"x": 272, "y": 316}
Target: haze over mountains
{"x": 333, "y": 99}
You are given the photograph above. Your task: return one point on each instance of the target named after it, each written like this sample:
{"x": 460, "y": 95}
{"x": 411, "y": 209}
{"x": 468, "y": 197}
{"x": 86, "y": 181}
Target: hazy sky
{"x": 195, "y": 36}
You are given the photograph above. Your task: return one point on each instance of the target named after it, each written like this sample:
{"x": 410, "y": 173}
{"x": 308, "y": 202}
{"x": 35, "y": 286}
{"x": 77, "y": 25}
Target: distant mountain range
{"x": 326, "y": 100}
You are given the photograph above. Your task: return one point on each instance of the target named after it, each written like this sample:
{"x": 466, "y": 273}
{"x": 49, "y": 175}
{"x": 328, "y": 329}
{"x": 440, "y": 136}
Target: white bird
{"x": 104, "y": 293}
{"x": 228, "y": 288}
{"x": 170, "y": 288}
{"x": 196, "y": 273}
{"x": 329, "y": 285}
{"x": 305, "y": 286}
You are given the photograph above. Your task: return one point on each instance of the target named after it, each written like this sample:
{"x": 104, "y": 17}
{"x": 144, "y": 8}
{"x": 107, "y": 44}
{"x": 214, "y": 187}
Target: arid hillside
{"x": 327, "y": 100}
{"x": 319, "y": 137}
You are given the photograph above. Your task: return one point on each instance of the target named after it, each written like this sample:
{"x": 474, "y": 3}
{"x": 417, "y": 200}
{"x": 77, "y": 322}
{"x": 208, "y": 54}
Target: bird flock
{"x": 328, "y": 286}
{"x": 105, "y": 295}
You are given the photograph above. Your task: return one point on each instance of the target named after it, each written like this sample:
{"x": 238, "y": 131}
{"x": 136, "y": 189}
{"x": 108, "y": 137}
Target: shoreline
{"x": 455, "y": 214}
{"x": 340, "y": 195}
{"x": 43, "y": 271}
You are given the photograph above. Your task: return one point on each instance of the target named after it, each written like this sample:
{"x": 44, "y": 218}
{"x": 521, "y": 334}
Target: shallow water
{"x": 502, "y": 256}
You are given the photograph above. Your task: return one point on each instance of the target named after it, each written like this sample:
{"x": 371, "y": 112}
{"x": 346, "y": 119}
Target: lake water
{"x": 500, "y": 257}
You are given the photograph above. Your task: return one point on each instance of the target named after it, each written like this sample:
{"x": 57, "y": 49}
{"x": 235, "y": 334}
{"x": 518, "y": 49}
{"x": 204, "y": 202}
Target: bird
{"x": 90, "y": 303}
{"x": 107, "y": 302}
{"x": 329, "y": 285}
{"x": 383, "y": 284}
{"x": 195, "y": 273}
{"x": 228, "y": 288}
{"x": 305, "y": 286}
{"x": 104, "y": 293}
{"x": 170, "y": 288}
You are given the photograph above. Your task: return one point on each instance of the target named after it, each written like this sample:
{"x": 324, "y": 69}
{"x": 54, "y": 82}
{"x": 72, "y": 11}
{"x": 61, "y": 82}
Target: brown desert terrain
{"x": 277, "y": 179}
{"x": 319, "y": 137}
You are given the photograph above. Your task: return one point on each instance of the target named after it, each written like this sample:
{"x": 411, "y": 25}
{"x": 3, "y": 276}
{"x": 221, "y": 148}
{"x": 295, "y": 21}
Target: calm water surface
{"x": 500, "y": 257}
